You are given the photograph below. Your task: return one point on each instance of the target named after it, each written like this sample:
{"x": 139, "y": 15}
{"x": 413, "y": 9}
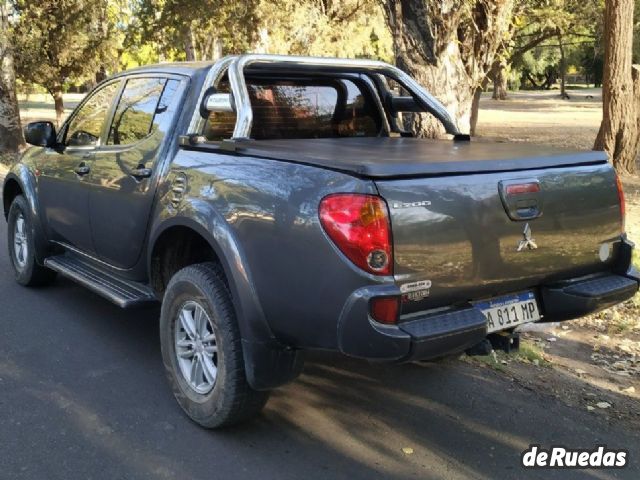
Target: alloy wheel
{"x": 196, "y": 347}
{"x": 20, "y": 244}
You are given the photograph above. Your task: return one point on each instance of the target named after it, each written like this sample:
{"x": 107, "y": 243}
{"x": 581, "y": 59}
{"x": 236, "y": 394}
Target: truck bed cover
{"x": 384, "y": 157}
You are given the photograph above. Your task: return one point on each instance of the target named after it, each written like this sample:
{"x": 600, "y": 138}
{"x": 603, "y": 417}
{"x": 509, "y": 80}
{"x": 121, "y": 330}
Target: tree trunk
{"x": 11, "y": 138}
{"x": 499, "y": 82}
{"x": 475, "y": 111}
{"x": 563, "y": 68}
{"x": 59, "y": 104}
{"x": 189, "y": 46}
{"x": 217, "y": 49}
{"x": 101, "y": 74}
{"x": 636, "y": 94}
{"x": 550, "y": 79}
{"x": 449, "y": 83}
{"x": 448, "y": 48}
{"x": 532, "y": 81}
{"x": 619, "y": 132}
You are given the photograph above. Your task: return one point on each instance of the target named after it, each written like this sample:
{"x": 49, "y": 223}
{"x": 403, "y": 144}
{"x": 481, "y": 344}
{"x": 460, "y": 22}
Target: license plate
{"x": 509, "y": 311}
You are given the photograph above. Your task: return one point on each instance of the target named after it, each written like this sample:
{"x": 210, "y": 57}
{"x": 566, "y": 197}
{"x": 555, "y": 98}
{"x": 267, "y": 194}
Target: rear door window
{"x": 288, "y": 109}
{"x": 140, "y": 109}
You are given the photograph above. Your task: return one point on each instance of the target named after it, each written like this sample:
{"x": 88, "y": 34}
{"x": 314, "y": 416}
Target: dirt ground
{"x": 593, "y": 362}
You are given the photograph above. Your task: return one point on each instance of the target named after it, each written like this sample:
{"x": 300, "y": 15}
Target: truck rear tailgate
{"x": 455, "y": 235}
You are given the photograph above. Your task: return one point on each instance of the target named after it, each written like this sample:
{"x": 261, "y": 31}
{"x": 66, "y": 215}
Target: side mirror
{"x": 40, "y": 134}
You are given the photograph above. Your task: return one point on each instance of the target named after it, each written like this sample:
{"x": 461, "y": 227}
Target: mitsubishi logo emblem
{"x": 527, "y": 241}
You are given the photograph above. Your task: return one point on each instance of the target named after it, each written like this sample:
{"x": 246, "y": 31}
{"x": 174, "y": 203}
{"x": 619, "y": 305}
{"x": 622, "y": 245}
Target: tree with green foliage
{"x": 60, "y": 40}
{"x": 194, "y": 29}
{"x": 180, "y": 30}
{"x": 11, "y": 138}
{"x": 341, "y": 28}
{"x": 592, "y": 63}
{"x": 545, "y": 34}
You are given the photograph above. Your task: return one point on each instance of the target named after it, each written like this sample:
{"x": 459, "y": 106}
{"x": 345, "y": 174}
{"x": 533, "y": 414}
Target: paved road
{"x": 83, "y": 396}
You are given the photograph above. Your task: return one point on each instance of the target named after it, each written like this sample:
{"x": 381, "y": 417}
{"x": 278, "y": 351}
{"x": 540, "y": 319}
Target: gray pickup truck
{"x": 276, "y": 205}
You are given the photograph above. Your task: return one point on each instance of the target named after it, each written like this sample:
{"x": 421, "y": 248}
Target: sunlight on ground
{"x": 39, "y": 106}
{"x": 542, "y": 117}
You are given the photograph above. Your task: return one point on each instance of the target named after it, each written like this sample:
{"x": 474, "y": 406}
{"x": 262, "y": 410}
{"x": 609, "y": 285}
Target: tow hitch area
{"x": 507, "y": 342}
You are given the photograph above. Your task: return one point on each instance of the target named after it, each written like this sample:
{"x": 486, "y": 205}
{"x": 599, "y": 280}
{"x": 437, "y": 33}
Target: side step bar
{"x": 124, "y": 293}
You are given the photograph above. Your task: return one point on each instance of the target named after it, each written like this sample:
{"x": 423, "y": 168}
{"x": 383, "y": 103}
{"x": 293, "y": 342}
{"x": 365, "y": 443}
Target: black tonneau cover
{"x": 410, "y": 157}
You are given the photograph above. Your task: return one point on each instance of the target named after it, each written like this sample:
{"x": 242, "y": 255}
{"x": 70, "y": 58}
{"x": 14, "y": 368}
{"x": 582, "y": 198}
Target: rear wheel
{"x": 22, "y": 242}
{"x": 202, "y": 350}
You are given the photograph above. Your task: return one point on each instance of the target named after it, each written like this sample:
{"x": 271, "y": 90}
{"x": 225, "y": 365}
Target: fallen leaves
{"x": 621, "y": 365}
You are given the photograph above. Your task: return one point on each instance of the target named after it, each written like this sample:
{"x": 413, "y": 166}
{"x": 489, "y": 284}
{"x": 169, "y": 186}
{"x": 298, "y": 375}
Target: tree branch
{"x": 517, "y": 53}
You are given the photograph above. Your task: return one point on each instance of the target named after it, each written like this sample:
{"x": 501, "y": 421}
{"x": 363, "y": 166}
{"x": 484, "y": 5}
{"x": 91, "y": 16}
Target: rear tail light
{"x": 359, "y": 226}
{"x": 385, "y": 309}
{"x": 621, "y": 201}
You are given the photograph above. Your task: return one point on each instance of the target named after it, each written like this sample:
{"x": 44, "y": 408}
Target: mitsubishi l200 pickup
{"x": 276, "y": 205}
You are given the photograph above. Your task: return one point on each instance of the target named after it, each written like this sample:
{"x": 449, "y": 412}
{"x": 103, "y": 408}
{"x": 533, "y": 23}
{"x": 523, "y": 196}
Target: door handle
{"x": 141, "y": 172}
{"x": 82, "y": 169}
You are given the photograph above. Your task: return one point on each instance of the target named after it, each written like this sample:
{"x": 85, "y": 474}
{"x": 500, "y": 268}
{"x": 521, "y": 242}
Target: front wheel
{"x": 22, "y": 246}
{"x": 202, "y": 350}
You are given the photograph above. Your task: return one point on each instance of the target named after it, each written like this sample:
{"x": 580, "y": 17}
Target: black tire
{"x": 231, "y": 400}
{"x": 26, "y": 269}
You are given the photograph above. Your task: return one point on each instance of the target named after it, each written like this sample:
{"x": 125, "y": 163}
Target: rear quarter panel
{"x": 263, "y": 214}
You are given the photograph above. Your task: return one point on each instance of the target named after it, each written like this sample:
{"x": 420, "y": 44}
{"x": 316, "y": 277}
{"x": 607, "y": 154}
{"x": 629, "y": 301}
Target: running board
{"x": 124, "y": 293}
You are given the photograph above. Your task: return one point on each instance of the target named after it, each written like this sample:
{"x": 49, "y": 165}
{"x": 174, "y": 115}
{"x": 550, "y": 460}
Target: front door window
{"x": 86, "y": 125}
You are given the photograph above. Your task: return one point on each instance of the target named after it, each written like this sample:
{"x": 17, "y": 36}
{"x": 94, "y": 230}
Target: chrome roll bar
{"x": 235, "y": 66}
{"x": 215, "y": 74}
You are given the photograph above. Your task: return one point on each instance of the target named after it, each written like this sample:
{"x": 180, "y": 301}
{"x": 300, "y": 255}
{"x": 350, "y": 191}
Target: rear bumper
{"x": 573, "y": 299}
{"x": 449, "y": 330}
{"x": 445, "y": 332}
{"x": 581, "y": 296}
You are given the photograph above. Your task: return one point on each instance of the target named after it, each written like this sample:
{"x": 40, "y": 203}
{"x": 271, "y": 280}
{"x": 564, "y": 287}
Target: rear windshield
{"x": 303, "y": 108}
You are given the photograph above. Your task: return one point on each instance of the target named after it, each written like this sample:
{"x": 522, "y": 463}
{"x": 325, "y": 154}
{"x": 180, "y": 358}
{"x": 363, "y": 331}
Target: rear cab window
{"x": 297, "y": 108}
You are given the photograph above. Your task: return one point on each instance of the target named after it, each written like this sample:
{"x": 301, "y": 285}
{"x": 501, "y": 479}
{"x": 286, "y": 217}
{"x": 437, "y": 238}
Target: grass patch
{"x": 624, "y": 318}
{"x": 529, "y": 352}
{"x": 621, "y": 326}
{"x": 492, "y": 361}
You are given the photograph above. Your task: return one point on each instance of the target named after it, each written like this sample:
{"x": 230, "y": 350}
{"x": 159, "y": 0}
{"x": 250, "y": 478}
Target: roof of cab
{"x": 179, "y": 68}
